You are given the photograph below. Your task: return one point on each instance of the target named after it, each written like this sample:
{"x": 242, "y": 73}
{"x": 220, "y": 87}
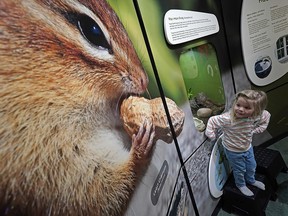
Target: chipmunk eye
{"x": 93, "y": 33}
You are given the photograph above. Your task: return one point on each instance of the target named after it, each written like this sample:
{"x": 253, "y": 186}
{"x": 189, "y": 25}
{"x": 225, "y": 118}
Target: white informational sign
{"x": 264, "y": 35}
{"x": 219, "y": 169}
{"x": 182, "y": 25}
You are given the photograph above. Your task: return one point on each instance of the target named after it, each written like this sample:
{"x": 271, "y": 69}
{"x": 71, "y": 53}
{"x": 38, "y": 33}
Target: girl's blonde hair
{"x": 258, "y": 99}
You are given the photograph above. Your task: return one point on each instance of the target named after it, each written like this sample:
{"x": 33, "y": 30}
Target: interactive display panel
{"x": 264, "y": 35}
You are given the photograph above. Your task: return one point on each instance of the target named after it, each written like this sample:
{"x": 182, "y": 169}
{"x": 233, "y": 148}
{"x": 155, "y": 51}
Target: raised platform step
{"x": 269, "y": 163}
{"x": 233, "y": 201}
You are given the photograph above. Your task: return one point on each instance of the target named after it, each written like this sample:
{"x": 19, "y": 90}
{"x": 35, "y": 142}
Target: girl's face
{"x": 243, "y": 108}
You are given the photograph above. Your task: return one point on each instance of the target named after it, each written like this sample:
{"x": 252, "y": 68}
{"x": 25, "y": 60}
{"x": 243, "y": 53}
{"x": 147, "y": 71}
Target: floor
{"x": 279, "y": 207}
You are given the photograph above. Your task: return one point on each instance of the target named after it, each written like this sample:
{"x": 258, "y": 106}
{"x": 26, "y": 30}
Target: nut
{"x": 135, "y": 110}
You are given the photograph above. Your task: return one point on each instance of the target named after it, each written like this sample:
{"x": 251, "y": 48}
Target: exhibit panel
{"x": 264, "y": 43}
{"x": 163, "y": 189}
{"x": 192, "y": 71}
{"x": 206, "y": 76}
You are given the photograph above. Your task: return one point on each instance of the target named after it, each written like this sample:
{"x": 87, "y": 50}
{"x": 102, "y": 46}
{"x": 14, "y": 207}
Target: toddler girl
{"x": 246, "y": 117}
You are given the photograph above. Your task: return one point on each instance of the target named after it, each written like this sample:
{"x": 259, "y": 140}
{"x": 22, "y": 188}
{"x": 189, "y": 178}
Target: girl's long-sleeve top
{"x": 237, "y": 135}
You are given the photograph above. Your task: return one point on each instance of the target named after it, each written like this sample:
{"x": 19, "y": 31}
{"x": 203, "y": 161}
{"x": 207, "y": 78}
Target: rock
{"x": 204, "y": 112}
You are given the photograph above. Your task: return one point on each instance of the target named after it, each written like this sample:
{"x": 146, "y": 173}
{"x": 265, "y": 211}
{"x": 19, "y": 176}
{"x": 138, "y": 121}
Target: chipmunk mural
{"x": 66, "y": 65}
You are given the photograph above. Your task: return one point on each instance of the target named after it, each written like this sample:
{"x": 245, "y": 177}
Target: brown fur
{"x": 59, "y": 111}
